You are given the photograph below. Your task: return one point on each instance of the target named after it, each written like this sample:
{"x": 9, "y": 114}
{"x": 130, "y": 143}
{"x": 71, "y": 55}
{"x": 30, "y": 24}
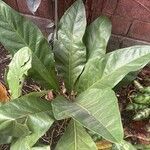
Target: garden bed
{"x": 135, "y": 131}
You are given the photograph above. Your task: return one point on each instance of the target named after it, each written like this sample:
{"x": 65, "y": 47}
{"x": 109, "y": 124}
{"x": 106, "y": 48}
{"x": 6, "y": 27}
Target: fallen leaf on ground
{"x": 49, "y": 96}
{"x": 103, "y": 145}
{"x": 3, "y": 94}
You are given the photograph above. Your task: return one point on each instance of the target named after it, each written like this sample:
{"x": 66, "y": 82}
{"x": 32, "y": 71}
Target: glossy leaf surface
{"x": 96, "y": 37}
{"x": 18, "y": 68}
{"x": 70, "y": 52}
{"x": 16, "y": 32}
{"x": 26, "y": 118}
{"x": 76, "y": 138}
{"x": 96, "y": 110}
{"x": 108, "y": 71}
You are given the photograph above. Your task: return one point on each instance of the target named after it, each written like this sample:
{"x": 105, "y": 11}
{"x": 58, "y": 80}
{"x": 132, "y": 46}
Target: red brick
{"x": 109, "y": 6}
{"x": 63, "y": 5}
{"x": 96, "y": 10}
{"x": 93, "y": 8}
{"x": 126, "y": 42}
{"x": 114, "y": 43}
{"x": 117, "y": 42}
{"x": 46, "y": 9}
{"x": 88, "y": 7}
{"x": 144, "y": 3}
{"x": 140, "y": 30}
{"x": 120, "y": 25}
{"x": 23, "y": 7}
{"x": 132, "y": 9}
{"x": 61, "y": 8}
{"x": 12, "y": 3}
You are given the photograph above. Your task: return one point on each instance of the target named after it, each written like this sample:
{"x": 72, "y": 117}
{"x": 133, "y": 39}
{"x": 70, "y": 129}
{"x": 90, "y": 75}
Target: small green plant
{"x": 141, "y": 102}
{"x": 86, "y": 72}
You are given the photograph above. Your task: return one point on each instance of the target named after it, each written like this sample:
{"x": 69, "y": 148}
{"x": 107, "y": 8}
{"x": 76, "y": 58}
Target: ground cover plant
{"x": 136, "y": 130}
{"x": 79, "y": 74}
{"x": 141, "y": 102}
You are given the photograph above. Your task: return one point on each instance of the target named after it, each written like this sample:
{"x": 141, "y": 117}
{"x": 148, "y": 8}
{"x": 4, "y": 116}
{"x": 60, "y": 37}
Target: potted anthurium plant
{"x": 79, "y": 60}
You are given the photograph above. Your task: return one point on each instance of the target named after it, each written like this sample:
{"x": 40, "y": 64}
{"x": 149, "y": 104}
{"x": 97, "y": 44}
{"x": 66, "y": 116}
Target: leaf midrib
{"x": 90, "y": 114}
{"x": 13, "y": 28}
{"x": 97, "y": 27}
{"x": 47, "y": 78}
{"x": 70, "y": 60}
{"x": 27, "y": 45}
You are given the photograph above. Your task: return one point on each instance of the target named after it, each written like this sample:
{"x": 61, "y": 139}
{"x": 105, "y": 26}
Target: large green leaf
{"x": 5, "y": 139}
{"x": 16, "y": 32}
{"x": 76, "y": 138}
{"x": 97, "y": 36}
{"x": 102, "y": 72}
{"x": 70, "y": 52}
{"x": 26, "y": 118}
{"x": 18, "y": 68}
{"x": 123, "y": 146}
{"x": 95, "y": 109}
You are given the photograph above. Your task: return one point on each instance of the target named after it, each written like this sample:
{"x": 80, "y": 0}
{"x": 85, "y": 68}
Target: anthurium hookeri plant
{"x": 141, "y": 102}
{"x": 87, "y": 72}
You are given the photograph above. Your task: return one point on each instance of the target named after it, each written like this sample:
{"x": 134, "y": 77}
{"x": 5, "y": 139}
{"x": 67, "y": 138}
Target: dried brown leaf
{"x": 103, "y": 145}
{"x": 3, "y": 94}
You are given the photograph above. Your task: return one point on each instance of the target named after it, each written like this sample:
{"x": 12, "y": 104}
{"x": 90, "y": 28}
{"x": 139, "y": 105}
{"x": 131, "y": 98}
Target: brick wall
{"x": 45, "y": 10}
{"x": 130, "y": 18}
